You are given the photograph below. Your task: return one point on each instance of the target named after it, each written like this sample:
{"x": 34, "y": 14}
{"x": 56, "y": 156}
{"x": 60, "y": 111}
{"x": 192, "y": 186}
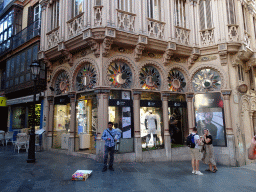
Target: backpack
{"x": 191, "y": 141}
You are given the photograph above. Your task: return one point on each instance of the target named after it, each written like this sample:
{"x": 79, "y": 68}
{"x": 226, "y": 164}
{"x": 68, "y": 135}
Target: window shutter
{"x": 30, "y": 15}
{"x": 208, "y": 13}
{"x": 201, "y": 12}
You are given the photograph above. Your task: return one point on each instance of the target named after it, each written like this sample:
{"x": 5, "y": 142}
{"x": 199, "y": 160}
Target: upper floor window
{"x": 251, "y": 78}
{"x": 240, "y": 73}
{"x": 244, "y": 17}
{"x": 180, "y": 18}
{"x": 77, "y": 7}
{"x": 154, "y": 9}
{"x": 97, "y": 2}
{"x": 231, "y": 11}
{"x": 125, "y": 5}
{"x": 6, "y": 31}
{"x": 205, "y": 14}
{"x": 55, "y": 14}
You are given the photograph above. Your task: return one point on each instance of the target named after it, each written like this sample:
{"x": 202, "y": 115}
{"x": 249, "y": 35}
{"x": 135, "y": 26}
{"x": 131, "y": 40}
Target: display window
{"x": 151, "y": 121}
{"x": 177, "y": 112}
{"x": 86, "y": 123}
{"x": 120, "y": 113}
{"x": 209, "y": 115}
{"x": 61, "y": 124}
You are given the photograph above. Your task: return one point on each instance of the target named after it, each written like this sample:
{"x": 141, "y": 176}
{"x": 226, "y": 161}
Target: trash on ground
{"x": 81, "y": 175}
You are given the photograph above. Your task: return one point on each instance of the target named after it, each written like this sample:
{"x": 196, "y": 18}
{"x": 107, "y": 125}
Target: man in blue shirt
{"x": 110, "y": 136}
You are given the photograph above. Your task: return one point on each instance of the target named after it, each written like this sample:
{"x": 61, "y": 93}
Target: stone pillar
{"x": 137, "y": 134}
{"x": 226, "y": 102}
{"x": 102, "y": 96}
{"x": 254, "y": 123}
{"x": 167, "y": 138}
{"x": 50, "y": 121}
{"x": 190, "y": 111}
{"x": 72, "y": 125}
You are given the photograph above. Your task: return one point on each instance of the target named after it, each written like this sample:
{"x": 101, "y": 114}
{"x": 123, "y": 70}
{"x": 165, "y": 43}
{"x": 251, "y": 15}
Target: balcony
{"x": 26, "y": 34}
{"x": 126, "y": 21}
{"x": 155, "y": 28}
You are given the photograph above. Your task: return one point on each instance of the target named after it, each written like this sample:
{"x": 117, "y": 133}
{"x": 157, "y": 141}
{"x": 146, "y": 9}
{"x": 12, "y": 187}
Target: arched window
{"x": 205, "y": 11}
{"x": 150, "y": 78}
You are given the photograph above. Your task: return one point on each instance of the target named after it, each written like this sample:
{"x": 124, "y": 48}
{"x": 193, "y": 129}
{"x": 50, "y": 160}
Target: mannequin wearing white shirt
{"x": 151, "y": 127}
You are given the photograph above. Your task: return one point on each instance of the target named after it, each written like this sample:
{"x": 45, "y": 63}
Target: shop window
{"x": 18, "y": 117}
{"x": 205, "y": 12}
{"x": 120, "y": 113}
{"x": 180, "y": 13}
{"x": 86, "y": 122}
{"x": 206, "y": 80}
{"x": 150, "y": 78}
{"x": 61, "y": 123}
{"x": 176, "y": 81}
{"x": 86, "y": 77}
{"x": 119, "y": 75}
{"x": 210, "y": 115}
{"x": 154, "y": 9}
{"x": 62, "y": 83}
{"x": 151, "y": 129}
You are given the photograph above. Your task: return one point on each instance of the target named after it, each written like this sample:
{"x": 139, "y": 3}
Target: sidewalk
{"x": 52, "y": 172}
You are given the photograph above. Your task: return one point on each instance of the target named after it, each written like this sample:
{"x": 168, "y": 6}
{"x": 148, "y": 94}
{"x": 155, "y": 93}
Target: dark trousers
{"x": 111, "y": 151}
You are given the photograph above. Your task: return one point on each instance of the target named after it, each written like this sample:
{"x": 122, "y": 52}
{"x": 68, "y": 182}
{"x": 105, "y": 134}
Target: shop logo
{"x": 151, "y": 104}
{"x": 177, "y": 104}
{"x": 120, "y": 103}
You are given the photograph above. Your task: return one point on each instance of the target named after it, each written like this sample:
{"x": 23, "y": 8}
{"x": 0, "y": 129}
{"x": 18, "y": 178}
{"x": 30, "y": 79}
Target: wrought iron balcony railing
{"x": 26, "y": 34}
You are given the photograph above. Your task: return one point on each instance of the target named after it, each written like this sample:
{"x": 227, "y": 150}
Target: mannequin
{"x": 151, "y": 127}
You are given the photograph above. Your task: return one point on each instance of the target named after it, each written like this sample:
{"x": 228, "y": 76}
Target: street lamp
{"x": 35, "y": 70}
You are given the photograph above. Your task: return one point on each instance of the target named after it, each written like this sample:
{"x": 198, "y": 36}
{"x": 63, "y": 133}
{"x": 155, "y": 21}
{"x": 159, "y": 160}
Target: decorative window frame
{"x": 206, "y": 20}
{"x": 154, "y": 11}
{"x": 180, "y": 13}
{"x": 231, "y": 12}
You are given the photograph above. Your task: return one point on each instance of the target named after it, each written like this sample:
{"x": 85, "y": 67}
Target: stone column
{"x": 137, "y": 134}
{"x": 72, "y": 125}
{"x": 50, "y": 121}
{"x": 226, "y": 102}
{"x": 102, "y": 96}
{"x": 190, "y": 111}
{"x": 254, "y": 123}
{"x": 167, "y": 138}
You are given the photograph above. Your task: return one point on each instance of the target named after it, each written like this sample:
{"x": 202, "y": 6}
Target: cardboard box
{"x": 81, "y": 175}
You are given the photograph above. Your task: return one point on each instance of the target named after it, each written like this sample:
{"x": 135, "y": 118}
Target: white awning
{"x": 26, "y": 99}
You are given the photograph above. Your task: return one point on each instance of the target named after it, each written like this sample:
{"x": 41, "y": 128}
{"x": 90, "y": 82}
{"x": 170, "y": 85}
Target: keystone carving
{"x": 167, "y": 56}
{"x": 107, "y": 42}
{"x": 95, "y": 47}
{"x": 138, "y": 51}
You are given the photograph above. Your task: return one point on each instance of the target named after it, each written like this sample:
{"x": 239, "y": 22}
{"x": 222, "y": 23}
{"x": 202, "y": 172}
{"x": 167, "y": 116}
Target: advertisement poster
{"x": 209, "y": 115}
{"x": 126, "y": 122}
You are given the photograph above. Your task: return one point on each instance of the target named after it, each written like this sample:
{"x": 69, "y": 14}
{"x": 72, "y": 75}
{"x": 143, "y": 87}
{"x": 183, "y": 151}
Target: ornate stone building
{"x": 156, "y": 68}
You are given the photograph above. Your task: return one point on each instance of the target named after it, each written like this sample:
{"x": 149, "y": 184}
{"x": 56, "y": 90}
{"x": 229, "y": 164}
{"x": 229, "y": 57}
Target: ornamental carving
{"x": 176, "y": 81}
{"x": 119, "y": 75}
{"x": 95, "y": 47}
{"x": 86, "y": 77}
{"x": 150, "y": 78}
{"x": 62, "y": 84}
{"x": 167, "y": 56}
{"x": 138, "y": 51}
{"x": 107, "y": 42}
{"x": 206, "y": 80}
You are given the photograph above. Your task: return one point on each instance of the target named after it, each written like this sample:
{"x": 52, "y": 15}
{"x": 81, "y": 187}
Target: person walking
{"x": 109, "y": 136}
{"x": 208, "y": 154}
{"x": 252, "y": 149}
{"x": 195, "y": 153}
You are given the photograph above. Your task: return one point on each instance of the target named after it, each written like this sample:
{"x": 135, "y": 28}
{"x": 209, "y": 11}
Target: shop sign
{"x": 3, "y": 101}
{"x": 63, "y": 100}
{"x": 119, "y": 102}
{"x": 177, "y": 104}
{"x": 26, "y": 99}
{"x": 149, "y": 103}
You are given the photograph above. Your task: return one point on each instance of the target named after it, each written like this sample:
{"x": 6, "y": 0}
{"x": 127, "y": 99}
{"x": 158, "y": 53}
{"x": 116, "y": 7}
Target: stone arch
{"x": 126, "y": 60}
{"x": 161, "y": 70}
{"x": 77, "y": 66}
{"x": 208, "y": 66}
{"x": 184, "y": 72}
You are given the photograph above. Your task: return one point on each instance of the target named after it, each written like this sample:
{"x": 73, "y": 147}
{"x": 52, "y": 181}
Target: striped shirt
{"x": 106, "y": 135}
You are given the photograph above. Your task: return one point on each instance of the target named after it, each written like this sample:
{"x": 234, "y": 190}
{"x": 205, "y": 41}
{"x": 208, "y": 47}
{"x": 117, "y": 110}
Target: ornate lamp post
{"x": 35, "y": 70}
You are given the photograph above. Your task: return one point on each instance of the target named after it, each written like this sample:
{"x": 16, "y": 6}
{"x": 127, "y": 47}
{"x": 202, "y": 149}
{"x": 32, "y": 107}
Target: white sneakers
{"x": 198, "y": 173}
{"x": 193, "y": 172}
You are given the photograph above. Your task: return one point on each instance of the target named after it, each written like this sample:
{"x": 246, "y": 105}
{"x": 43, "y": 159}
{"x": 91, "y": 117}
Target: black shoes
{"x": 104, "y": 169}
{"x": 111, "y": 168}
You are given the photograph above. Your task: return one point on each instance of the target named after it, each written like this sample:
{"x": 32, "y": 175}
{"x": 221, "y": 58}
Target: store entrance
{"x": 177, "y": 120}
{"x": 86, "y": 120}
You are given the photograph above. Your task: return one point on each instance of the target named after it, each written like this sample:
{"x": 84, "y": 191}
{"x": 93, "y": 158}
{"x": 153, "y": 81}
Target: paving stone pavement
{"x": 53, "y": 171}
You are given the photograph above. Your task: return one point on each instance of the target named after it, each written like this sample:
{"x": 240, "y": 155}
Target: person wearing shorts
{"x": 195, "y": 153}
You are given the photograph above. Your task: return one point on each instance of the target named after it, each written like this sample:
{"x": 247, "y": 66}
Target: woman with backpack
{"x": 208, "y": 156}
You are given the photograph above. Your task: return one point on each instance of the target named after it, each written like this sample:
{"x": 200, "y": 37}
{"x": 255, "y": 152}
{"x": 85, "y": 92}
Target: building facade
{"x": 156, "y": 69}
{"x": 20, "y": 27}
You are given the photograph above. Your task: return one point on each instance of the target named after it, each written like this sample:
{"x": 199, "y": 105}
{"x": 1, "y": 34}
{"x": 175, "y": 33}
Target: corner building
{"x": 155, "y": 69}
